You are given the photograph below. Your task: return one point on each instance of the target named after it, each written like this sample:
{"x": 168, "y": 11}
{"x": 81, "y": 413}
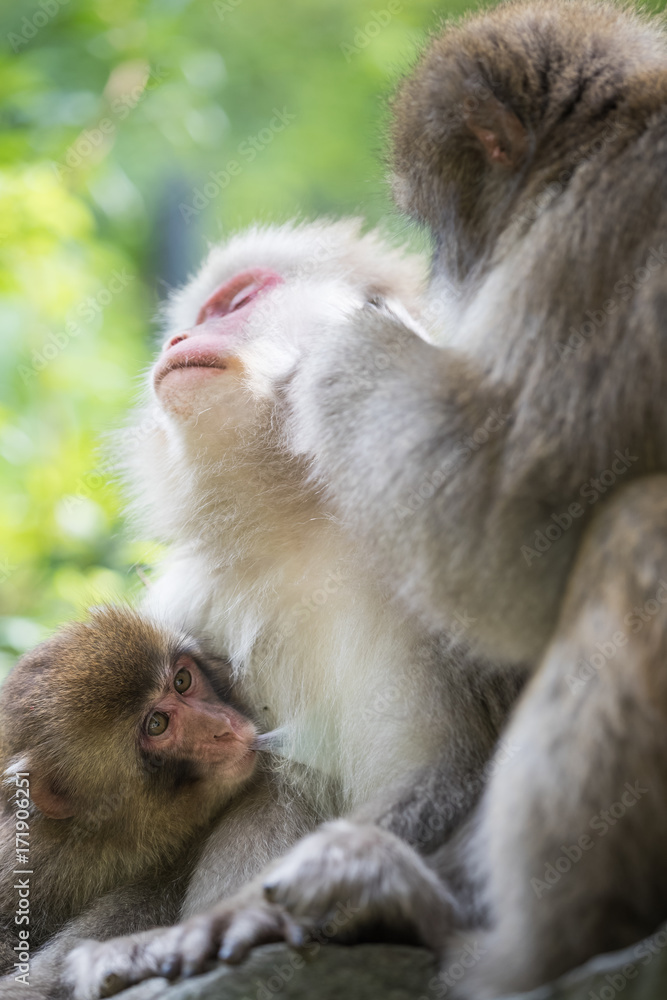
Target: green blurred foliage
{"x": 114, "y": 115}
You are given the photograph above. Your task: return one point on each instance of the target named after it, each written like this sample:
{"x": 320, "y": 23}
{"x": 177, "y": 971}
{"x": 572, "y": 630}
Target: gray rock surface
{"x": 393, "y": 972}
{"x": 376, "y": 972}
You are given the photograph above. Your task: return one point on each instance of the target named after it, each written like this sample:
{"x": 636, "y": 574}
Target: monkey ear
{"x": 503, "y": 137}
{"x": 53, "y": 804}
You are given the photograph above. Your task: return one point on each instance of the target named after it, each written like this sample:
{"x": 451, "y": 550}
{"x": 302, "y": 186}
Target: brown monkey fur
{"x": 117, "y": 817}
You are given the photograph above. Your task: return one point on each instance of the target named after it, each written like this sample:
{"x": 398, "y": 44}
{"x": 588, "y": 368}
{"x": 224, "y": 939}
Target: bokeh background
{"x": 120, "y": 126}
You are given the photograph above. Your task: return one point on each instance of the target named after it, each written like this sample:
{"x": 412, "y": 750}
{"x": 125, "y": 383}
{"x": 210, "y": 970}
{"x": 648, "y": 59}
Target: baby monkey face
{"x": 185, "y": 719}
{"x": 118, "y": 709}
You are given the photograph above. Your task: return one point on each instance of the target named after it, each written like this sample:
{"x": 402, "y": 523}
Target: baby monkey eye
{"x": 376, "y": 301}
{"x": 157, "y": 723}
{"x": 182, "y": 680}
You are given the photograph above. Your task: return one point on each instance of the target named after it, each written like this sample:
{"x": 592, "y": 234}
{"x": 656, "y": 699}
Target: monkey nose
{"x": 175, "y": 340}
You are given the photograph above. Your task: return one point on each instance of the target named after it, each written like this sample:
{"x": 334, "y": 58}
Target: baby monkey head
{"x": 123, "y": 725}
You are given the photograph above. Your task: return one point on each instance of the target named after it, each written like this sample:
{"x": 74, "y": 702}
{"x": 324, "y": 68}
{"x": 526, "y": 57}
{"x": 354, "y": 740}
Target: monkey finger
{"x": 196, "y": 947}
{"x": 296, "y": 935}
{"x": 250, "y": 928}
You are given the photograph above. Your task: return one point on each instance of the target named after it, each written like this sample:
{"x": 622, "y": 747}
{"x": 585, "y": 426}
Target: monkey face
{"x": 185, "y": 720}
{"x": 191, "y": 358}
{"x": 120, "y": 711}
{"x": 241, "y": 326}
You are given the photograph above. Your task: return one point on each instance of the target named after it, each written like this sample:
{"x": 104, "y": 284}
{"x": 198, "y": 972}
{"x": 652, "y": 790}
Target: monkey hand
{"x": 347, "y": 882}
{"x": 226, "y": 932}
{"x": 343, "y": 377}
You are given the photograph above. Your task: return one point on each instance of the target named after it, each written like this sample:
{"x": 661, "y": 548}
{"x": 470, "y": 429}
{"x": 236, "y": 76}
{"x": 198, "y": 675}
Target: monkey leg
{"x": 571, "y": 830}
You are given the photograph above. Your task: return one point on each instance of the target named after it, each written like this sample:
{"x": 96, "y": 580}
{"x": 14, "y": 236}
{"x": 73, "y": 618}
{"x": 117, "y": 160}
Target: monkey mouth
{"x": 195, "y": 358}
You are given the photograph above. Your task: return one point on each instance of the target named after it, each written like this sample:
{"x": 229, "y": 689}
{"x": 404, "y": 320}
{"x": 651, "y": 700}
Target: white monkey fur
{"x": 255, "y": 562}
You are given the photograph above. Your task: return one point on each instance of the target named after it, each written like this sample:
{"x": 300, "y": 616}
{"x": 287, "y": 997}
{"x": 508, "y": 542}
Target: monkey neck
{"x": 240, "y": 498}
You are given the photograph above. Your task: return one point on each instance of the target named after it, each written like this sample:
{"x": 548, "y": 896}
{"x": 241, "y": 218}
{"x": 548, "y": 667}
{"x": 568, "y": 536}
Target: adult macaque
{"x": 532, "y": 141}
{"x": 119, "y": 748}
{"x": 365, "y": 694}
{"x": 513, "y": 476}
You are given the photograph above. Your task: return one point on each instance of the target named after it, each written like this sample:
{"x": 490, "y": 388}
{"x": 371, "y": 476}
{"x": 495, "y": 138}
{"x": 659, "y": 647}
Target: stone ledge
{"x": 394, "y": 972}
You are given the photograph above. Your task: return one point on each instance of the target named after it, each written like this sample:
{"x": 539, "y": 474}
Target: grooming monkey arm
{"x": 385, "y": 419}
{"x": 564, "y": 840}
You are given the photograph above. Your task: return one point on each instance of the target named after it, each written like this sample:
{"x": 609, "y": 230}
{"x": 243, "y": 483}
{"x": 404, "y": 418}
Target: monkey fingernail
{"x": 270, "y": 890}
{"x": 232, "y": 953}
{"x": 296, "y": 936}
{"x": 169, "y": 968}
{"x": 112, "y": 984}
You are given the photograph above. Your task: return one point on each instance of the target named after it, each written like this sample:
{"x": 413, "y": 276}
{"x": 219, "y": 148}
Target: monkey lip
{"x": 209, "y": 344}
{"x": 196, "y": 353}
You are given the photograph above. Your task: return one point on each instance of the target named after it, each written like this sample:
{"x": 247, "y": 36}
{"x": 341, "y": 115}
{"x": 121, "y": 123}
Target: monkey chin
{"x": 240, "y": 767}
{"x": 189, "y": 391}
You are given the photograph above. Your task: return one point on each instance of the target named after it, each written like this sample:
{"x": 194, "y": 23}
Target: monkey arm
{"x": 263, "y": 825}
{"x": 568, "y": 836}
{"x": 367, "y": 861}
{"x": 126, "y": 910}
{"x": 388, "y": 422}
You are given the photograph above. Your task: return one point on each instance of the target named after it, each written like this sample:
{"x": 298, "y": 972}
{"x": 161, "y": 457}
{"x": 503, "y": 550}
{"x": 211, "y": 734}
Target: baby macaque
{"x": 120, "y": 747}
